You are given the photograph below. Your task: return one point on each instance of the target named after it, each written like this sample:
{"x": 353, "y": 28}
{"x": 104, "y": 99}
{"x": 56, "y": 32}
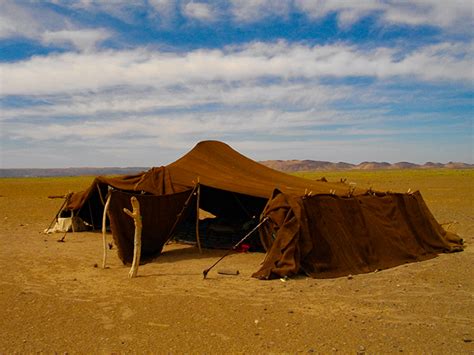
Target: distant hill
{"x": 69, "y": 172}
{"x": 371, "y": 165}
{"x": 311, "y": 165}
{"x": 304, "y": 165}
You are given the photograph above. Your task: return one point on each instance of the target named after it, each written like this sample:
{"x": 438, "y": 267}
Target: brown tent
{"x": 320, "y": 228}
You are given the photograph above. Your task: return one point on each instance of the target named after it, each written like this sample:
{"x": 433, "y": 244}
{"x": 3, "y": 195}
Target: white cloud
{"x": 199, "y": 11}
{"x": 71, "y": 72}
{"x": 17, "y": 20}
{"x": 113, "y": 103}
{"x": 255, "y": 10}
{"x": 164, "y": 7}
{"x": 348, "y": 12}
{"x": 454, "y": 15}
{"x": 445, "y": 14}
{"x": 85, "y": 39}
{"x": 46, "y": 27}
{"x": 194, "y": 124}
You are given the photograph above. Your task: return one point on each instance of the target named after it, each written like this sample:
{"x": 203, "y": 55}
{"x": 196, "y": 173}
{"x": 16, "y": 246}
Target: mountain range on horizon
{"x": 281, "y": 165}
{"x": 312, "y": 165}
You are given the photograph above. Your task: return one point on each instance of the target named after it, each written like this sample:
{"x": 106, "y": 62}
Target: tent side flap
{"x": 331, "y": 236}
{"x": 159, "y": 214}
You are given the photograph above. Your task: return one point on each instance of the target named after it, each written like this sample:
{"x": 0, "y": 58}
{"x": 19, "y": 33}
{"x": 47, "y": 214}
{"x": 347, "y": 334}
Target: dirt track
{"x": 53, "y": 298}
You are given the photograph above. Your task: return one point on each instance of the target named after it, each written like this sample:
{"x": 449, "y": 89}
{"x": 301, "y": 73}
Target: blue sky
{"x": 120, "y": 83}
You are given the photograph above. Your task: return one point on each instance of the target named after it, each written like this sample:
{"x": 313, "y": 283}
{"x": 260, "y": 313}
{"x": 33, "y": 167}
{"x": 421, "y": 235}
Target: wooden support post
{"x": 198, "y": 192}
{"x": 100, "y": 195}
{"x": 137, "y": 219}
{"x": 104, "y": 230}
{"x": 180, "y": 214}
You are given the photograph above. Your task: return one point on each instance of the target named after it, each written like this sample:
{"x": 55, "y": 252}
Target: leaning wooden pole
{"x": 180, "y": 214}
{"x": 137, "y": 219}
{"x": 198, "y": 239}
{"x": 66, "y": 200}
{"x": 104, "y": 230}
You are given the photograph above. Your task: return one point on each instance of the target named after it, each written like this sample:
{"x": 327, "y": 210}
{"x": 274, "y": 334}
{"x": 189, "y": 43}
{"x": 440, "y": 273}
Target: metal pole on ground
{"x": 205, "y": 272}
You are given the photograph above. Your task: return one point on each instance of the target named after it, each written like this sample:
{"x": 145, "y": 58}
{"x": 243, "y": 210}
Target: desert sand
{"x": 54, "y": 297}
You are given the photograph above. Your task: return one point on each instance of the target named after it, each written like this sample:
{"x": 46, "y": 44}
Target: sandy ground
{"x": 53, "y": 298}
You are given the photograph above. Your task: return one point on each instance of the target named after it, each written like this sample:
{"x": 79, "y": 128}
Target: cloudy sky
{"x": 138, "y": 83}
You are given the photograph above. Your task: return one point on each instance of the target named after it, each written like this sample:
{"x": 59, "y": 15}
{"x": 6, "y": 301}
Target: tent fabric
{"x": 217, "y": 165}
{"x": 158, "y": 217}
{"x": 156, "y": 181}
{"x": 331, "y": 236}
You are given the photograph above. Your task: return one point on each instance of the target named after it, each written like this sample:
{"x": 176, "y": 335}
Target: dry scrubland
{"x": 52, "y": 298}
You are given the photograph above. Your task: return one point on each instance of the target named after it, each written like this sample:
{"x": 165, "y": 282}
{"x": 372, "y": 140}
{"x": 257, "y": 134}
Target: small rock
{"x": 467, "y": 340}
{"x": 291, "y": 311}
{"x": 334, "y": 349}
{"x": 256, "y": 321}
{"x": 311, "y": 350}
{"x": 350, "y": 277}
{"x": 95, "y": 265}
{"x": 361, "y": 348}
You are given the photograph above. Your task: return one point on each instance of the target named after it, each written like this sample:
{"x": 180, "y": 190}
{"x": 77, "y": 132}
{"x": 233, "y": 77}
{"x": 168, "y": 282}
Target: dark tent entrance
{"x": 92, "y": 211}
{"x": 224, "y": 218}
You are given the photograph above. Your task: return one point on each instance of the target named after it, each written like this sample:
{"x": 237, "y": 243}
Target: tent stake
{"x": 198, "y": 240}
{"x": 137, "y": 219}
{"x": 205, "y": 272}
{"x": 104, "y": 230}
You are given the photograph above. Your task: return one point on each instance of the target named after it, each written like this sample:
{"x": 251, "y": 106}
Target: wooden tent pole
{"x": 137, "y": 219}
{"x": 104, "y": 230}
{"x": 178, "y": 217}
{"x": 198, "y": 197}
{"x": 66, "y": 200}
{"x": 100, "y": 195}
